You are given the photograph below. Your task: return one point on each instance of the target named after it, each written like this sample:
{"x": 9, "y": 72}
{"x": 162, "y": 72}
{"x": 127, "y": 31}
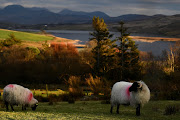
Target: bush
{"x": 35, "y": 50}
{"x": 52, "y": 98}
{"x": 31, "y": 53}
{"x": 11, "y": 40}
{"x": 71, "y": 99}
{"x": 42, "y": 99}
{"x": 95, "y": 84}
{"x": 75, "y": 89}
{"x": 48, "y": 65}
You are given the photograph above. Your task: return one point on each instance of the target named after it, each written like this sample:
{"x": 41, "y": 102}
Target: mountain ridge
{"x": 16, "y": 16}
{"x": 90, "y": 14}
{"x": 21, "y": 15}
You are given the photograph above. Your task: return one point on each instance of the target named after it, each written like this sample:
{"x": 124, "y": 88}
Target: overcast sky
{"x": 110, "y": 7}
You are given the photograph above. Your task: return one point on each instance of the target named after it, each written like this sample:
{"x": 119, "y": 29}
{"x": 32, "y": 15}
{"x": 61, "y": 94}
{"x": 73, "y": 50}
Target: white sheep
{"x": 17, "y": 95}
{"x": 125, "y": 93}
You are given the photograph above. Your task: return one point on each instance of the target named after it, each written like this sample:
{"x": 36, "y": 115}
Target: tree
{"x": 128, "y": 55}
{"x": 104, "y": 51}
{"x": 11, "y": 40}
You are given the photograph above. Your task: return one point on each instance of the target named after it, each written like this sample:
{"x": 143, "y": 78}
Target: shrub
{"x": 64, "y": 97}
{"x": 71, "y": 98}
{"x": 42, "y": 99}
{"x": 95, "y": 84}
{"x": 14, "y": 54}
{"x": 106, "y": 89}
{"x": 35, "y": 50}
{"x": 54, "y": 98}
{"x": 11, "y": 40}
{"x": 75, "y": 89}
{"x": 31, "y": 53}
{"x": 64, "y": 47}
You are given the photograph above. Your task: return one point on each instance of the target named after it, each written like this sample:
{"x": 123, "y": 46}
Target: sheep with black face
{"x": 17, "y": 95}
{"x": 125, "y": 93}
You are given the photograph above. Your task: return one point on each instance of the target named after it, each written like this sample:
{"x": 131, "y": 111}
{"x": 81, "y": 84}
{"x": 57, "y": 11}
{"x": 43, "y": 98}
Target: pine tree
{"x": 128, "y": 55}
{"x": 103, "y": 53}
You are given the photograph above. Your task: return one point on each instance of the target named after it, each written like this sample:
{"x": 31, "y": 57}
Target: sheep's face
{"x": 135, "y": 86}
{"x": 34, "y": 107}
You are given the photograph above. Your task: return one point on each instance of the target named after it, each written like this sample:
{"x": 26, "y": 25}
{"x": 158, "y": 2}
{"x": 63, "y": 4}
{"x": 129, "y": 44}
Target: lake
{"x": 155, "y": 47}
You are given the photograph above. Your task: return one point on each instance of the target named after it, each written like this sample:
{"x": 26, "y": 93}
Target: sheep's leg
{"x": 12, "y": 107}
{"x": 138, "y": 110}
{"x": 111, "y": 108}
{"x": 117, "y": 108}
{"x": 23, "y": 107}
{"x": 6, "y": 103}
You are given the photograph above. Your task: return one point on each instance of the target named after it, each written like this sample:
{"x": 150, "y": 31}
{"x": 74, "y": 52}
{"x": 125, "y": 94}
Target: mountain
{"x": 155, "y": 25}
{"x": 132, "y": 17}
{"x": 17, "y": 16}
{"x": 68, "y": 12}
{"x": 37, "y": 8}
{"x": 20, "y": 15}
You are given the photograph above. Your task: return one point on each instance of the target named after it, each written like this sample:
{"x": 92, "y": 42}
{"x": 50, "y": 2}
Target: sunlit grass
{"x": 44, "y": 93}
{"x": 24, "y": 36}
{"x": 94, "y": 110}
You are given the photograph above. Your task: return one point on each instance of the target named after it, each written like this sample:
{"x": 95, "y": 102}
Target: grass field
{"x": 90, "y": 110}
{"x": 25, "y": 36}
{"x": 43, "y": 93}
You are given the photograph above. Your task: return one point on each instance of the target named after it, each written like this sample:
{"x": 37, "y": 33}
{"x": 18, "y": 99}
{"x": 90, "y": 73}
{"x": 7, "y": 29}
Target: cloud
{"x": 111, "y": 7}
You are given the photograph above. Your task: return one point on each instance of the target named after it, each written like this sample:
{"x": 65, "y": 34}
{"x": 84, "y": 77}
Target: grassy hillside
{"x": 24, "y": 36}
{"x": 90, "y": 110}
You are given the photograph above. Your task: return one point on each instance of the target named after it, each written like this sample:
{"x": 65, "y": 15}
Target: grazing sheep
{"x": 125, "y": 93}
{"x": 17, "y": 95}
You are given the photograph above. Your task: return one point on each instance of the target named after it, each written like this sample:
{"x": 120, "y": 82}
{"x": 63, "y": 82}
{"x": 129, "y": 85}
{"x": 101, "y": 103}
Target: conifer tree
{"x": 103, "y": 53}
{"x": 128, "y": 55}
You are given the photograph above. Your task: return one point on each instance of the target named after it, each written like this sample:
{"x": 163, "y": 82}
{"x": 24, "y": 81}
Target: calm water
{"x": 155, "y": 47}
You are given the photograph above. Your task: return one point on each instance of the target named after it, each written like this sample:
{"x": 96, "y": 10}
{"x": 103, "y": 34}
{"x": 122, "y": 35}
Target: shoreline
{"x": 143, "y": 38}
{"x": 154, "y": 39}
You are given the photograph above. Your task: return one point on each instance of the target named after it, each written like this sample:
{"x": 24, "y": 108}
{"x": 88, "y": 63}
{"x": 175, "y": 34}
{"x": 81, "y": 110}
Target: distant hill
{"x": 132, "y": 17}
{"x": 158, "y": 25}
{"x": 20, "y": 15}
{"x": 66, "y": 12}
{"x": 16, "y": 16}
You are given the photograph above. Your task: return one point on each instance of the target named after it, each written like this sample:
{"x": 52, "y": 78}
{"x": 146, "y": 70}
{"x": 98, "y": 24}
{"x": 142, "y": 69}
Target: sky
{"x": 111, "y": 7}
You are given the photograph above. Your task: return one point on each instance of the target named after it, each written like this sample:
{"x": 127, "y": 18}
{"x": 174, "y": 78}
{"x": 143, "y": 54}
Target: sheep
{"x": 14, "y": 94}
{"x": 125, "y": 93}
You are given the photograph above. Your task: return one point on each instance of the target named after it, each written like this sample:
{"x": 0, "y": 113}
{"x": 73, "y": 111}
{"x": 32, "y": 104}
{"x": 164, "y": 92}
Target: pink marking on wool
{"x": 127, "y": 91}
{"x": 30, "y": 97}
{"x": 11, "y": 86}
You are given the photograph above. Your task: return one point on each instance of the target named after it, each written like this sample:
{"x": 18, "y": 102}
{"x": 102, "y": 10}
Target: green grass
{"x": 24, "y": 36}
{"x": 92, "y": 110}
{"x": 43, "y": 93}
